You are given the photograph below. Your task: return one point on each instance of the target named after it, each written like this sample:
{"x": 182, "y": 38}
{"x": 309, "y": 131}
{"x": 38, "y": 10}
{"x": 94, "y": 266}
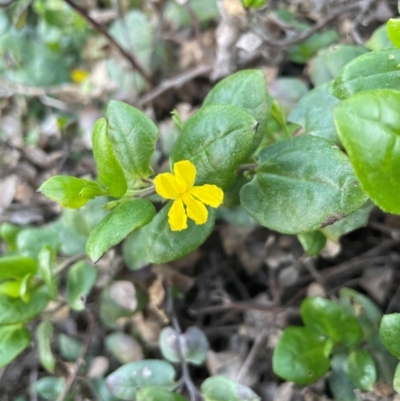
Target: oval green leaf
{"x": 44, "y": 334}
{"x": 393, "y": 30}
{"x": 368, "y": 125}
{"x": 126, "y": 381}
{"x": 46, "y": 270}
{"x": 361, "y": 369}
{"x": 302, "y": 184}
{"x": 133, "y": 137}
{"x": 389, "y": 333}
{"x": 17, "y": 267}
{"x": 14, "y": 310}
{"x": 165, "y": 245}
{"x": 217, "y": 139}
{"x": 248, "y": 91}
{"x": 110, "y": 172}
{"x": 122, "y": 220}
{"x": 80, "y": 280}
{"x": 396, "y": 379}
{"x": 376, "y": 70}
{"x": 301, "y": 355}
{"x": 309, "y": 110}
{"x": 14, "y": 339}
{"x": 330, "y": 319}
{"x": 312, "y": 242}
{"x": 220, "y": 388}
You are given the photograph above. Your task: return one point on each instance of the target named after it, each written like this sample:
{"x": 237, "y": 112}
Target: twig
{"x": 285, "y": 43}
{"x": 100, "y": 28}
{"x": 251, "y": 355}
{"x": 74, "y": 371}
{"x": 176, "y": 82}
{"x": 364, "y": 7}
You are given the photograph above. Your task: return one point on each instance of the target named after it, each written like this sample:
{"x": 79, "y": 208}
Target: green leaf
{"x": 14, "y": 339}
{"x": 9, "y": 232}
{"x": 165, "y": 245}
{"x": 309, "y": 110}
{"x": 389, "y": 333}
{"x": 339, "y": 382}
{"x": 328, "y": 62}
{"x": 287, "y": 91}
{"x": 133, "y": 137}
{"x": 122, "y": 220}
{"x": 312, "y": 242}
{"x": 379, "y": 39}
{"x": 110, "y": 172}
{"x": 49, "y": 387}
{"x": 32, "y": 240}
{"x": 393, "y": 30}
{"x": 302, "y": 52}
{"x": 248, "y": 91}
{"x": 17, "y": 267}
{"x": 46, "y": 270}
{"x": 44, "y": 334}
{"x": 375, "y": 70}
{"x": 220, "y": 388}
{"x": 158, "y": 394}
{"x": 134, "y": 250}
{"x": 67, "y": 191}
{"x": 332, "y": 320}
{"x": 350, "y": 223}
{"x": 301, "y": 355}
{"x": 368, "y": 125}
{"x": 80, "y": 280}
{"x": 361, "y": 369}
{"x": 14, "y": 310}
{"x": 396, "y": 379}
{"x": 302, "y": 184}
{"x": 216, "y": 139}
{"x": 70, "y": 349}
{"x": 126, "y": 381}
{"x": 123, "y": 347}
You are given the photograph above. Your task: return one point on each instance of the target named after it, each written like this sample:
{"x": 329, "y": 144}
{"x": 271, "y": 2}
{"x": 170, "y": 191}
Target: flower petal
{"x": 185, "y": 174}
{"x": 166, "y": 186}
{"x": 195, "y": 209}
{"x": 209, "y": 194}
{"x": 177, "y": 218}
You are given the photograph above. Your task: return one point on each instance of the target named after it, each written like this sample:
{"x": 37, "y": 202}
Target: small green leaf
{"x": 14, "y": 339}
{"x": 169, "y": 344}
{"x": 135, "y": 251}
{"x": 302, "y": 184}
{"x": 301, "y": 355}
{"x": 389, "y": 333}
{"x": 133, "y": 137}
{"x": 70, "y": 349}
{"x": 396, "y": 379}
{"x": 31, "y": 241}
{"x": 158, "y": 394}
{"x": 123, "y": 347}
{"x": 110, "y": 172}
{"x": 8, "y": 233}
{"x": 379, "y": 39}
{"x": 165, "y": 245}
{"x": 216, "y": 139}
{"x": 127, "y": 380}
{"x": 44, "y": 334}
{"x": 14, "y": 310}
{"x": 220, "y": 388}
{"x": 339, "y": 382}
{"x": 17, "y": 267}
{"x": 80, "y": 280}
{"x": 254, "y": 3}
{"x": 248, "y": 91}
{"x": 393, "y": 30}
{"x": 67, "y": 191}
{"x": 332, "y": 320}
{"x": 46, "y": 270}
{"x": 312, "y": 242}
{"x": 361, "y": 369}
{"x": 308, "y": 111}
{"x": 375, "y": 70}
{"x": 368, "y": 125}
{"x": 278, "y": 115}
{"x": 122, "y": 220}
{"x": 49, "y": 387}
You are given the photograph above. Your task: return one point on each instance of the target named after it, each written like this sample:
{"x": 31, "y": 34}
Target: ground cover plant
{"x": 228, "y": 233}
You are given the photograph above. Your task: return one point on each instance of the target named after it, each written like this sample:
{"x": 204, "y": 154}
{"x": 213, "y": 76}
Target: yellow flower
{"x": 78, "y": 76}
{"x": 180, "y": 188}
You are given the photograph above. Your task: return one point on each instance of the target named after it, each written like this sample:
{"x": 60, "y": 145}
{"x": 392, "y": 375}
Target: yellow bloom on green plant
{"x": 180, "y": 188}
{"x": 78, "y": 76}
